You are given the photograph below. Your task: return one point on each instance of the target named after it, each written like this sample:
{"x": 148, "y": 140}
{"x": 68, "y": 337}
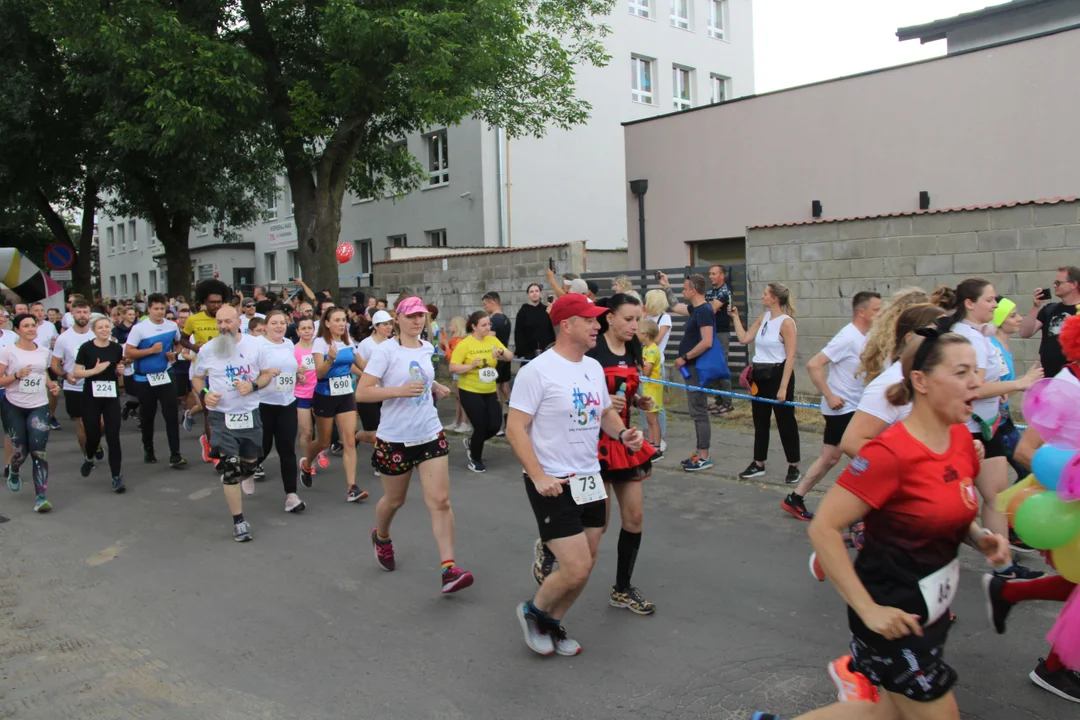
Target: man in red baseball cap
{"x": 558, "y": 407}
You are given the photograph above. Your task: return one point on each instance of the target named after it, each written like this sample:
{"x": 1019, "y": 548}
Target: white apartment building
{"x": 484, "y": 189}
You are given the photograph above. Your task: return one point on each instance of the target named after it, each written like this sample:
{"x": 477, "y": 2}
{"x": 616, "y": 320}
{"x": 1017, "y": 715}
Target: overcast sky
{"x": 803, "y": 41}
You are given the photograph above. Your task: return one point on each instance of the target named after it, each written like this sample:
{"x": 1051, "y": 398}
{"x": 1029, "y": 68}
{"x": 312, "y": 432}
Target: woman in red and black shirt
{"x": 913, "y": 486}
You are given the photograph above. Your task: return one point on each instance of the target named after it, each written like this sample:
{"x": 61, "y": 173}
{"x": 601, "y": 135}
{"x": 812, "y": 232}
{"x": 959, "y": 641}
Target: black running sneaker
{"x": 336, "y": 449}
{"x": 118, "y": 485}
{"x": 148, "y": 456}
{"x": 306, "y": 474}
{"x": 795, "y": 505}
{"x": 177, "y": 461}
{"x": 1064, "y": 683}
{"x": 1016, "y": 571}
{"x": 752, "y": 470}
{"x": 997, "y": 607}
{"x": 87, "y": 467}
{"x": 793, "y": 475}
{"x": 99, "y": 454}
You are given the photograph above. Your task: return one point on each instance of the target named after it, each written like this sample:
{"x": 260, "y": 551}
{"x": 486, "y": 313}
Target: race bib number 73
{"x": 587, "y": 488}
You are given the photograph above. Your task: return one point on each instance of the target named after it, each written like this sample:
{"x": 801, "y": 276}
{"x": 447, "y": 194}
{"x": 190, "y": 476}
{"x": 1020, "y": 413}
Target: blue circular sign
{"x": 59, "y": 257}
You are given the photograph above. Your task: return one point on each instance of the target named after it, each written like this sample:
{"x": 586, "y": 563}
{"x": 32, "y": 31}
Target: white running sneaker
{"x": 248, "y": 485}
{"x": 293, "y": 503}
{"x": 663, "y": 446}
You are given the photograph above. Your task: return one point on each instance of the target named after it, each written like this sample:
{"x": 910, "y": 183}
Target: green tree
{"x": 178, "y": 104}
{"x": 343, "y": 79}
{"x": 49, "y": 149}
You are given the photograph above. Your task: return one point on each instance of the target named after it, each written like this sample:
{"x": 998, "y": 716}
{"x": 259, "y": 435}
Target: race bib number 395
{"x": 587, "y": 488}
{"x": 285, "y": 382}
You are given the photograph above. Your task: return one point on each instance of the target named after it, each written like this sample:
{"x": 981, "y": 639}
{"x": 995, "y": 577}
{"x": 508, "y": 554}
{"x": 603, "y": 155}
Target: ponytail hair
{"x": 784, "y": 297}
{"x": 944, "y": 297}
{"x": 927, "y": 347}
{"x": 970, "y": 289}
{"x": 880, "y": 341}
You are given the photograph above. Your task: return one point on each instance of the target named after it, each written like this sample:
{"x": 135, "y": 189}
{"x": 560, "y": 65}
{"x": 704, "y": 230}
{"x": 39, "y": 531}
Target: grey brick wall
{"x": 824, "y": 264}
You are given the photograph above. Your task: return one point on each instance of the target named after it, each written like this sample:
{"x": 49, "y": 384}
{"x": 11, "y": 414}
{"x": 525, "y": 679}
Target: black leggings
{"x": 93, "y": 412}
{"x": 485, "y": 414}
{"x": 279, "y": 428}
{"x": 785, "y": 417}
{"x": 149, "y": 397}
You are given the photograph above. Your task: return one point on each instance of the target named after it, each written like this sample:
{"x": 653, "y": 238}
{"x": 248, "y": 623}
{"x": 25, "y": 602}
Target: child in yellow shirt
{"x": 653, "y": 365}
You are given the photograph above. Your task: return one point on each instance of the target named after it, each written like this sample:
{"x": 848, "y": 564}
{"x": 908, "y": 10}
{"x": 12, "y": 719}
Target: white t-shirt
{"x": 1067, "y": 375}
{"x": 46, "y": 333}
{"x": 566, "y": 400}
{"x": 410, "y": 419}
{"x": 8, "y": 337}
{"x": 367, "y": 347}
{"x": 843, "y": 352}
{"x": 873, "y": 400}
{"x": 15, "y": 359}
{"x": 986, "y": 359}
{"x": 664, "y": 321}
{"x": 281, "y": 356}
{"x": 67, "y": 321}
{"x": 224, "y": 373}
{"x": 66, "y": 348}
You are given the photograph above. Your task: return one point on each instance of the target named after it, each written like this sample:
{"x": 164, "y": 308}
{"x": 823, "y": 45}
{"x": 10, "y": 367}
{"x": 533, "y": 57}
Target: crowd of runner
{"x": 914, "y": 390}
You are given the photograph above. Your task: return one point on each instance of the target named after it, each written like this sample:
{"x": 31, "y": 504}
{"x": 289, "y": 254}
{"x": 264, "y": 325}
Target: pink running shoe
{"x": 322, "y": 460}
{"x": 455, "y": 579}
{"x": 384, "y": 552}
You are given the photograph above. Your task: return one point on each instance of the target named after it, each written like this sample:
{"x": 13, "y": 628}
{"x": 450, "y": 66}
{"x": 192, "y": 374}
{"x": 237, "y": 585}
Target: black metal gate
{"x": 645, "y": 280}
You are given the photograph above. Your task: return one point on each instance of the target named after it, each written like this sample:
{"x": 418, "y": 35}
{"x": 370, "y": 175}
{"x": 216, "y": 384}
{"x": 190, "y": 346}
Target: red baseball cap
{"x": 574, "y": 305}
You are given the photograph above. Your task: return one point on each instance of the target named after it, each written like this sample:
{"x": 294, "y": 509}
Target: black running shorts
{"x": 560, "y": 517}
{"x": 919, "y": 674}
{"x": 835, "y": 425}
{"x": 73, "y": 402}
{"x": 328, "y": 406}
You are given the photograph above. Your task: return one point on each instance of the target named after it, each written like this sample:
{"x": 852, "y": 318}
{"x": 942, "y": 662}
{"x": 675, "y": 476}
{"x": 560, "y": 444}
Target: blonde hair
{"x": 656, "y": 303}
{"x": 106, "y": 318}
{"x": 649, "y": 329}
{"x": 622, "y": 284}
{"x": 881, "y": 340}
{"x": 633, "y": 294}
{"x": 903, "y": 392}
{"x": 457, "y": 327}
{"x": 784, "y": 297}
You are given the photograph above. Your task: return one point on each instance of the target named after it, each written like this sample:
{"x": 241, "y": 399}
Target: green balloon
{"x": 1046, "y": 522}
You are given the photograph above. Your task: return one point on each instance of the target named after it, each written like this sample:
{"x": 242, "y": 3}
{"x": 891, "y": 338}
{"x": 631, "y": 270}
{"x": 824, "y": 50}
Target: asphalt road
{"x": 142, "y": 606}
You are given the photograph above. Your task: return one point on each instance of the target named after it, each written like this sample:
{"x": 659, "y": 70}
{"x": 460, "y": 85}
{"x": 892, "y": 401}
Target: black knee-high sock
{"x": 628, "y": 549}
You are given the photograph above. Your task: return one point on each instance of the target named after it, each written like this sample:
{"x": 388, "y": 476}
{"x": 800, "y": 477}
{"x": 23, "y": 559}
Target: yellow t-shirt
{"x": 651, "y": 354}
{"x": 481, "y": 379}
{"x": 202, "y": 326}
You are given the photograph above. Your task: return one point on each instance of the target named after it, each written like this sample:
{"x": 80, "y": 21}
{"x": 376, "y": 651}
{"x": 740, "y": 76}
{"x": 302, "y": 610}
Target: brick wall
{"x": 824, "y": 264}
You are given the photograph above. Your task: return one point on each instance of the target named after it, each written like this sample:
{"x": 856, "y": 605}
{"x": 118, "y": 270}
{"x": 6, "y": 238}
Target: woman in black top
{"x": 533, "y": 331}
{"x": 100, "y": 361}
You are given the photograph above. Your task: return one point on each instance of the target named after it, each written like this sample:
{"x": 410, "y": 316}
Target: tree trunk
{"x": 81, "y": 273}
{"x": 173, "y": 233}
{"x": 317, "y": 211}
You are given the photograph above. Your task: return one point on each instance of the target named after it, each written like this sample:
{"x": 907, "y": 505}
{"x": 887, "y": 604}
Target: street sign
{"x": 59, "y": 257}
{"x": 60, "y": 275}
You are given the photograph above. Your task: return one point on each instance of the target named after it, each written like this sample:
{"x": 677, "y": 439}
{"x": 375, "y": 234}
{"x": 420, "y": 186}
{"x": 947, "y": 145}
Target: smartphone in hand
{"x": 1045, "y": 294}
{"x": 551, "y": 264}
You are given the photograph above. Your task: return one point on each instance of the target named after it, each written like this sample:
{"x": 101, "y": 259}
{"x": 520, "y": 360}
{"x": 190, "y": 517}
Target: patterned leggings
{"x": 29, "y": 433}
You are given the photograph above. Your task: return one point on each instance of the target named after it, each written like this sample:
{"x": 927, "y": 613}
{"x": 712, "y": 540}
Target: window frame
{"x": 121, "y": 238}
{"x": 123, "y": 285}
{"x": 679, "y": 72}
{"x": 392, "y": 240}
{"x": 270, "y": 266}
{"x": 133, "y": 236}
{"x": 436, "y": 238}
{"x": 437, "y": 143}
{"x": 641, "y": 8}
{"x": 637, "y": 94}
{"x": 272, "y": 204}
{"x": 135, "y": 281}
{"x": 678, "y": 21}
{"x": 364, "y": 251}
{"x": 718, "y": 10}
{"x": 112, "y": 286}
{"x": 110, "y": 241}
{"x": 723, "y": 80}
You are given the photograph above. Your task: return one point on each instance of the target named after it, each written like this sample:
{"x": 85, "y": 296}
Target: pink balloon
{"x": 1050, "y": 406}
{"x": 1068, "y": 488}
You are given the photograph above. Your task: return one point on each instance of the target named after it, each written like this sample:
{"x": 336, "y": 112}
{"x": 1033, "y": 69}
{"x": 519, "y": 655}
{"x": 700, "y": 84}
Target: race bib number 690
{"x": 341, "y": 385}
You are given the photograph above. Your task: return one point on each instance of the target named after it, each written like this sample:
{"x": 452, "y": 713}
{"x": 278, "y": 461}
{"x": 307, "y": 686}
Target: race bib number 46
{"x": 341, "y": 385}
{"x": 587, "y": 488}
{"x": 239, "y": 421}
{"x": 488, "y": 375}
{"x": 286, "y": 382}
{"x": 103, "y": 389}
{"x": 939, "y": 590}
{"x": 161, "y": 378}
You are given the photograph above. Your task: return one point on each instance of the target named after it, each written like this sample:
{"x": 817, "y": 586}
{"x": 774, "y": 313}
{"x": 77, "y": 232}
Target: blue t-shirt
{"x": 146, "y": 334}
{"x": 701, "y": 316}
{"x": 1006, "y": 364}
{"x": 340, "y": 367}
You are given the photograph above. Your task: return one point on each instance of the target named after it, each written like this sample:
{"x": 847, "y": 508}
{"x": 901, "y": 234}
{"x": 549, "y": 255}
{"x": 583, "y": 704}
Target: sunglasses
{"x": 1059, "y": 283}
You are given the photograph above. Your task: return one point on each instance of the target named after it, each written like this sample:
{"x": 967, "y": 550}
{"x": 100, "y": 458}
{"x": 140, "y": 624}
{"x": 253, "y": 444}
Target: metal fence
{"x": 645, "y": 280}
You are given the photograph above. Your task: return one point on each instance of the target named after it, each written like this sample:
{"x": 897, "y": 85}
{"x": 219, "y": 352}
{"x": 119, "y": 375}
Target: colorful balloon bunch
{"x": 1044, "y": 508}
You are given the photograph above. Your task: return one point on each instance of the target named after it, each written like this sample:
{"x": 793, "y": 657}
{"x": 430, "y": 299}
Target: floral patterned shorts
{"x": 398, "y": 458}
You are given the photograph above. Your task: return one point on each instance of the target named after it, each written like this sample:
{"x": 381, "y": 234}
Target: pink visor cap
{"x": 410, "y": 306}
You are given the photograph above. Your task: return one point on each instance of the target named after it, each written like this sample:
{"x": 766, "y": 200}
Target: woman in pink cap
{"x": 399, "y": 374}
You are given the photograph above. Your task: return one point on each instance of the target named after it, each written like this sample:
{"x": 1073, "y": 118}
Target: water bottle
{"x": 685, "y": 371}
{"x": 621, "y": 392}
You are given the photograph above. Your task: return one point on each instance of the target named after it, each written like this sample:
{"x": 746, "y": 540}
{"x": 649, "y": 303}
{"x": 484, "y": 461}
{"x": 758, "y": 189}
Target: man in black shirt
{"x": 719, "y": 297}
{"x": 697, "y": 338}
{"x": 500, "y": 325}
{"x": 1050, "y": 318}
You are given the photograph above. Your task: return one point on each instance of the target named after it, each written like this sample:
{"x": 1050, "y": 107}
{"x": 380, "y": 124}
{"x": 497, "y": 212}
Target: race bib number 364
{"x": 31, "y": 384}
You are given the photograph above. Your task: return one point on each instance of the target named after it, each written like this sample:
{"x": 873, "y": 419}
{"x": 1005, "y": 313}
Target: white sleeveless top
{"x": 768, "y": 345}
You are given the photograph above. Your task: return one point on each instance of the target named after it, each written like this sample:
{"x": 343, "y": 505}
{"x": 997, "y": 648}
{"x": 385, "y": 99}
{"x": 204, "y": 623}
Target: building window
{"x": 110, "y": 241}
{"x": 153, "y": 281}
{"x": 718, "y": 88}
{"x": 123, "y": 286}
{"x": 680, "y": 14}
{"x": 641, "y": 80}
{"x": 120, "y": 237}
{"x": 164, "y": 281}
{"x": 135, "y": 282}
{"x": 271, "y": 204}
{"x": 204, "y": 230}
{"x": 271, "y": 267}
{"x": 717, "y": 18}
{"x": 681, "y": 85}
{"x": 436, "y": 238}
{"x": 438, "y": 159}
{"x": 112, "y": 285}
{"x": 131, "y": 233}
{"x": 639, "y": 8}
{"x": 363, "y": 249}
{"x": 397, "y": 241}
{"x": 294, "y": 264}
